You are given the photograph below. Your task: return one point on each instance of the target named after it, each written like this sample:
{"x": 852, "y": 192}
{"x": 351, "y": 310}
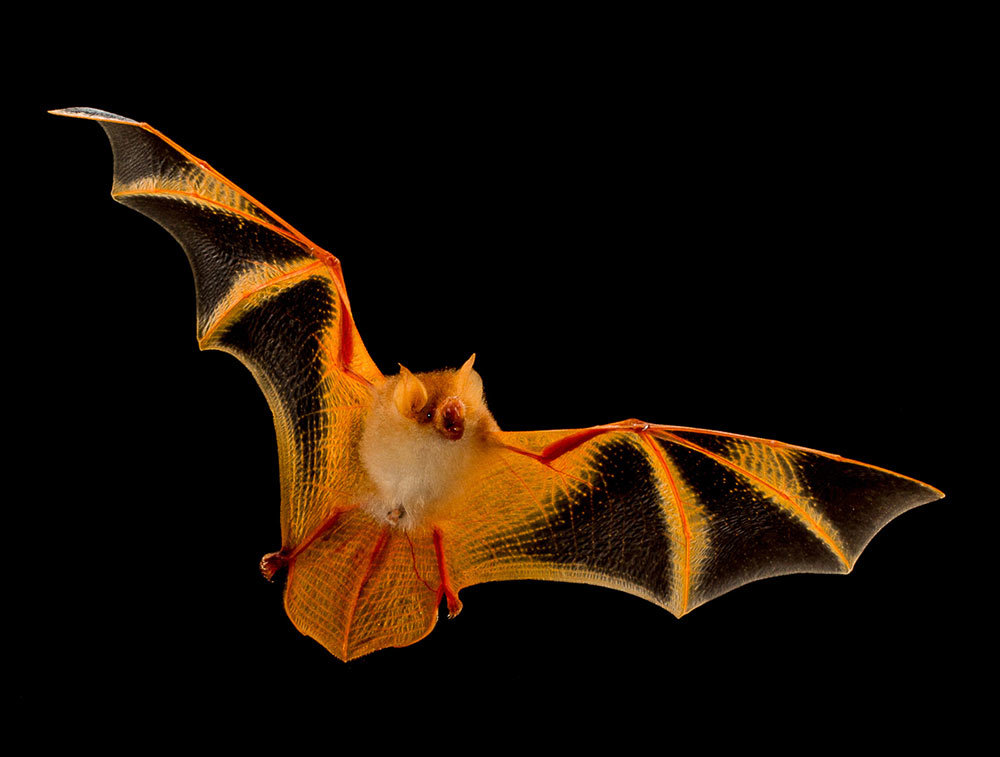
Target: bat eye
{"x": 429, "y": 415}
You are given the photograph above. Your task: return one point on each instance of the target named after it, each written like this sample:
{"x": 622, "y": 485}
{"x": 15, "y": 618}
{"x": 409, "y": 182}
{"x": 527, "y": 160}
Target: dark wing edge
{"x": 265, "y": 294}
{"x": 672, "y": 514}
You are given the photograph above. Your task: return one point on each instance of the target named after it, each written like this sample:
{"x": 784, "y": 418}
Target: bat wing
{"x": 675, "y": 515}
{"x": 265, "y": 294}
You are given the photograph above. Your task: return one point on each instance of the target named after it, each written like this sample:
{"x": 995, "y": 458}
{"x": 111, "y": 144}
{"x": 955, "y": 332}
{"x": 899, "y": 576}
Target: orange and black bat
{"x": 398, "y": 491}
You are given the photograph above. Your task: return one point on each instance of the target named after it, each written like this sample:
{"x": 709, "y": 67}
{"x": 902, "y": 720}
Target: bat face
{"x": 398, "y": 491}
{"x": 422, "y": 437}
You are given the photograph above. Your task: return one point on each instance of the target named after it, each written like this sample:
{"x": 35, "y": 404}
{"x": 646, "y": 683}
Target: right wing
{"x": 267, "y": 295}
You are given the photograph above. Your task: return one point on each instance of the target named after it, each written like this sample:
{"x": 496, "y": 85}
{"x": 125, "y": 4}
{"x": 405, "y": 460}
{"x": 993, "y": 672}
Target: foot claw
{"x": 272, "y": 562}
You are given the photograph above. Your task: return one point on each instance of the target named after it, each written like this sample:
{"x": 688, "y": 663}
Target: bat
{"x": 398, "y": 491}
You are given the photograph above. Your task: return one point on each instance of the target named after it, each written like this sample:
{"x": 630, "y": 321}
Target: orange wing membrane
{"x": 397, "y": 492}
{"x": 675, "y": 515}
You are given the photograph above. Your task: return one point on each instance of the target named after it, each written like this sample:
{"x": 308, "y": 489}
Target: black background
{"x": 765, "y": 250}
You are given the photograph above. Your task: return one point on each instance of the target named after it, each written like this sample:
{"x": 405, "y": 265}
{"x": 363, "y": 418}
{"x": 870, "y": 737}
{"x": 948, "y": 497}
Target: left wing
{"x": 675, "y": 515}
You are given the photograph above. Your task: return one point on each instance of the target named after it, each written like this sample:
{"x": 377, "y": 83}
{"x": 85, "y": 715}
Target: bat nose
{"x": 451, "y": 418}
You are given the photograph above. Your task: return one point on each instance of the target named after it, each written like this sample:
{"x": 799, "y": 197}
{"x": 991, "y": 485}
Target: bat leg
{"x": 454, "y": 603}
{"x": 272, "y": 562}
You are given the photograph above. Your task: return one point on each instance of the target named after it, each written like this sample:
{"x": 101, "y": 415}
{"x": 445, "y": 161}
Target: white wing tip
{"x": 92, "y": 114}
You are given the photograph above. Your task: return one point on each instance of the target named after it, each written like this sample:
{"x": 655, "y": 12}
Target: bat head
{"x": 447, "y": 401}
{"x": 421, "y": 434}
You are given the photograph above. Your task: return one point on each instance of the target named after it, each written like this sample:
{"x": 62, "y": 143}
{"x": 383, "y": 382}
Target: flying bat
{"x": 397, "y": 491}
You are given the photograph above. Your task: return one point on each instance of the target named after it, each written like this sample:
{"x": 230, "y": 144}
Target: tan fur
{"x": 411, "y": 463}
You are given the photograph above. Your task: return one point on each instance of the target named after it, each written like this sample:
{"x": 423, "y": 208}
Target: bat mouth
{"x": 450, "y": 419}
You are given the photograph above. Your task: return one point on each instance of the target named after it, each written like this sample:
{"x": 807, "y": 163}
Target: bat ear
{"x": 463, "y": 375}
{"x": 410, "y": 394}
{"x": 468, "y": 384}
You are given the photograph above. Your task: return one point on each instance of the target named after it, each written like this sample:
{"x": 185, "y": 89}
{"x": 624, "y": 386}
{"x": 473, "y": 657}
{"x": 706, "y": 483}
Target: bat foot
{"x": 454, "y": 603}
{"x": 272, "y": 562}
{"x": 454, "y": 607}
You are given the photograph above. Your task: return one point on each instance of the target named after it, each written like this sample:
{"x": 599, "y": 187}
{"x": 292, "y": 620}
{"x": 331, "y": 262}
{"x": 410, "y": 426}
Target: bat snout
{"x": 450, "y": 418}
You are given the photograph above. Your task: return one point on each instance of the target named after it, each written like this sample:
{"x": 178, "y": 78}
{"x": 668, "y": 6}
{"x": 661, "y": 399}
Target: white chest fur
{"x": 411, "y": 466}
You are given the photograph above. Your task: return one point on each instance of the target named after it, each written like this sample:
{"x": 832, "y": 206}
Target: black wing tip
{"x": 935, "y": 494}
{"x": 935, "y": 491}
{"x": 92, "y": 114}
{"x": 927, "y": 493}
